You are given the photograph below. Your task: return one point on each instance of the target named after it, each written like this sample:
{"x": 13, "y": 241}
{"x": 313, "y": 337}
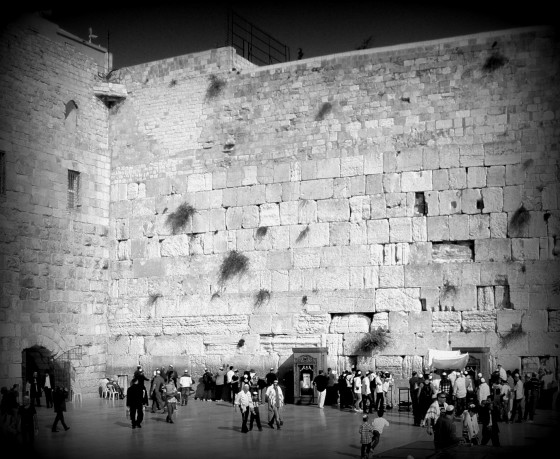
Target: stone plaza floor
{"x": 99, "y": 429}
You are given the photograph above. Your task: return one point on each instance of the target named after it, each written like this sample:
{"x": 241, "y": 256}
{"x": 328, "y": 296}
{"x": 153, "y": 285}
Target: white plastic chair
{"x": 104, "y": 389}
{"x": 112, "y": 393}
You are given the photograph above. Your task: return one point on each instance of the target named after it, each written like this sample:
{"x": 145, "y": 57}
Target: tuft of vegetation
{"x": 556, "y": 287}
{"x": 234, "y": 264}
{"x": 527, "y": 164}
{"x": 262, "y": 297}
{"x": 519, "y": 219}
{"x": 241, "y": 343}
{"x": 304, "y": 300}
{"x": 178, "y": 219}
{"x": 449, "y": 289}
{"x": 172, "y": 83}
{"x": 215, "y": 296}
{"x": 494, "y": 62}
{"x": 154, "y": 297}
{"x": 377, "y": 339}
{"x": 215, "y": 87}
{"x": 303, "y": 234}
{"x": 405, "y": 99}
{"x": 261, "y": 232}
{"x": 325, "y": 109}
{"x": 512, "y": 335}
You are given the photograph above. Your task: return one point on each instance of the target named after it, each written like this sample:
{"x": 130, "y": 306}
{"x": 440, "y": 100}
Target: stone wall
{"x": 412, "y": 188}
{"x": 54, "y": 261}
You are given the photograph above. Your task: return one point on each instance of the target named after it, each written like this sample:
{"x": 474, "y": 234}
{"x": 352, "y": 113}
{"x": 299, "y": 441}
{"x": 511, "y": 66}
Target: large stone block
{"x": 446, "y": 321}
{"x": 391, "y": 276}
{"x": 333, "y": 210}
{"x": 494, "y": 250}
{"x": 349, "y": 323}
{"x": 392, "y": 299}
{"x": 399, "y": 321}
{"x": 478, "y": 321}
{"x": 316, "y": 323}
{"x": 317, "y": 189}
{"x": 423, "y": 276}
{"x": 458, "y": 298}
{"x": 416, "y": 181}
{"x": 400, "y": 229}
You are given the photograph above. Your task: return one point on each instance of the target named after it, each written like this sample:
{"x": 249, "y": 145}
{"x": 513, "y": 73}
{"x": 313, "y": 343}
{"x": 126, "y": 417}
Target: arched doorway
{"x": 39, "y": 359}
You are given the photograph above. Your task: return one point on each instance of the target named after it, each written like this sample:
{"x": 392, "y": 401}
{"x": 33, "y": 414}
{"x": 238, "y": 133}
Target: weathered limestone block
{"x": 554, "y": 321}
{"x": 234, "y": 218}
{"x": 392, "y": 299}
{"x": 339, "y": 233}
{"x": 378, "y": 231}
{"x": 400, "y": 229}
{"x": 136, "y": 326}
{"x": 279, "y": 260}
{"x": 269, "y": 214}
{"x": 398, "y": 321}
{"x": 485, "y": 298}
{"x": 471, "y": 155}
{"x": 498, "y": 225}
{"x": 540, "y": 343}
{"x": 457, "y": 178}
{"x": 391, "y": 276}
{"x": 318, "y": 235}
{"x": 307, "y": 211}
{"x": 430, "y": 295}
{"x": 289, "y": 212}
{"x": 534, "y": 321}
{"x": 476, "y": 177}
{"x": 478, "y": 320}
{"x": 392, "y": 364}
{"x": 502, "y": 153}
{"x": 419, "y": 322}
{"x": 458, "y": 298}
{"x": 378, "y": 207}
{"x": 213, "y": 325}
{"x": 148, "y": 268}
{"x": 374, "y": 184}
{"x": 493, "y": 200}
{"x": 273, "y": 192}
{"x": 283, "y": 344}
{"x": 468, "y": 337}
{"x": 351, "y": 166}
{"x": 492, "y": 250}
{"x": 395, "y": 254}
{"x": 373, "y": 162}
{"x": 176, "y": 246}
{"x": 479, "y": 226}
{"x": 317, "y": 189}
{"x": 419, "y": 229}
{"x": 432, "y": 203}
{"x": 392, "y": 183}
{"x": 126, "y": 345}
{"x": 360, "y": 208}
{"x": 306, "y": 257}
{"x": 171, "y": 345}
{"x": 250, "y": 217}
{"x": 423, "y": 276}
{"x": 280, "y": 281}
{"x": 449, "y": 202}
{"x": 525, "y": 249}
{"x": 420, "y": 253}
{"x": 512, "y": 198}
{"x": 440, "y": 179}
{"x": 446, "y": 321}
{"x": 199, "y": 182}
{"x": 350, "y": 323}
{"x": 416, "y": 181}
{"x": 438, "y": 228}
{"x": 280, "y": 237}
{"x": 316, "y": 323}
{"x": 333, "y": 210}
{"x": 397, "y": 205}
{"x": 332, "y": 278}
{"x": 496, "y": 176}
{"x": 143, "y": 208}
{"x": 123, "y": 250}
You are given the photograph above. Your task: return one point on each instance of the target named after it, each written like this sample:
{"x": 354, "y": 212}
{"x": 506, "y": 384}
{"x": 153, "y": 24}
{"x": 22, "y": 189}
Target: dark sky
{"x": 139, "y": 32}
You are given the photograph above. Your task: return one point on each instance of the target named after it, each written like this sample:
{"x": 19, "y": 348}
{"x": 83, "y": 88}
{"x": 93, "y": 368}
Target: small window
{"x": 2, "y": 172}
{"x": 420, "y": 205}
{"x": 73, "y": 189}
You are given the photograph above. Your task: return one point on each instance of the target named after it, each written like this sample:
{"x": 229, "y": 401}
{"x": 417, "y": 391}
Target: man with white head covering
{"x": 483, "y": 390}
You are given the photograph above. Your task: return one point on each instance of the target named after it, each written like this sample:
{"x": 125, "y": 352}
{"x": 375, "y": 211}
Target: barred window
{"x": 73, "y": 189}
{"x": 2, "y": 172}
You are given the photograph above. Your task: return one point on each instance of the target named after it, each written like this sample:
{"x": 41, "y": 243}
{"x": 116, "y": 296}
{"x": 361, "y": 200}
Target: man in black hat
{"x": 136, "y": 396}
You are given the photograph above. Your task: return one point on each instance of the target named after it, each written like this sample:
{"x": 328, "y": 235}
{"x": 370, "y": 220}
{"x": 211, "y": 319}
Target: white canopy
{"x": 447, "y": 360}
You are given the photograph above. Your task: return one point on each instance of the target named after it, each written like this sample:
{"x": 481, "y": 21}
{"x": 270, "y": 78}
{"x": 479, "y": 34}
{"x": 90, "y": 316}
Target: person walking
{"x": 170, "y": 393}
{"x": 275, "y": 404}
{"x": 320, "y": 382}
{"x": 229, "y": 392}
{"x": 460, "y": 394}
{"x": 244, "y": 400}
{"x": 59, "y": 403}
{"x": 185, "y": 384}
{"x": 155, "y": 392}
{"x": 366, "y": 436}
{"x": 255, "y": 415}
{"x": 357, "y": 388}
{"x": 136, "y": 398}
{"x": 366, "y": 393}
{"x": 378, "y": 424}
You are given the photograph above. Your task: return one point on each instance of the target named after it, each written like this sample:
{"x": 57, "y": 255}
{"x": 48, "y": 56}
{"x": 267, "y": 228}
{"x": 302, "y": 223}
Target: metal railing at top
{"x": 253, "y": 43}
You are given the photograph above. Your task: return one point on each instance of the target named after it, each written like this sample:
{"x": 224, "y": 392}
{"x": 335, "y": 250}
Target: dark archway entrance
{"x": 39, "y": 359}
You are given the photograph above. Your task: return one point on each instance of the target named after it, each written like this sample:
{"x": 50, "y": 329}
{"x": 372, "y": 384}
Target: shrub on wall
{"x": 375, "y": 340}
{"x": 262, "y": 297}
{"x": 215, "y": 87}
{"x": 178, "y": 219}
{"x": 512, "y": 335}
{"x": 261, "y": 232}
{"x": 519, "y": 219}
{"x": 234, "y": 264}
{"x": 303, "y": 234}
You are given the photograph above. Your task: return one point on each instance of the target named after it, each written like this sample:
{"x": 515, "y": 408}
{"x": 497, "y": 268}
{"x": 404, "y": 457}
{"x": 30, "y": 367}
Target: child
{"x": 366, "y": 436}
{"x": 378, "y": 424}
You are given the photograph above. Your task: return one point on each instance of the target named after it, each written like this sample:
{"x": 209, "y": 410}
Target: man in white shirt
{"x": 230, "y": 393}
{"x": 357, "y": 384}
{"x": 275, "y": 403}
{"x": 185, "y": 383}
{"x": 244, "y": 401}
{"x": 367, "y": 402}
{"x": 47, "y": 387}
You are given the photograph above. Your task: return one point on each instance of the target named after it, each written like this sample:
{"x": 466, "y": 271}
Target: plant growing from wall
{"x": 172, "y": 83}
{"x": 304, "y": 300}
{"x": 214, "y": 296}
{"x": 519, "y": 219}
{"x": 375, "y": 340}
{"x": 303, "y": 234}
{"x": 494, "y": 62}
{"x": 179, "y": 219}
{"x": 261, "y": 232}
{"x": 154, "y": 297}
{"x": 512, "y": 335}
{"x": 241, "y": 343}
{"x": 215, "y": 87}
{"x": 325, "y": 109}
{"x": 262, "y": 296}
{"x": 449, "y": 289}
{"x": 234, "y": 264}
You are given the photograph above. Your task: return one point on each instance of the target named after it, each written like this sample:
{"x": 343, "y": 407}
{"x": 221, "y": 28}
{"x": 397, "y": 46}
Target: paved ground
{"x": 99, "y": 429}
